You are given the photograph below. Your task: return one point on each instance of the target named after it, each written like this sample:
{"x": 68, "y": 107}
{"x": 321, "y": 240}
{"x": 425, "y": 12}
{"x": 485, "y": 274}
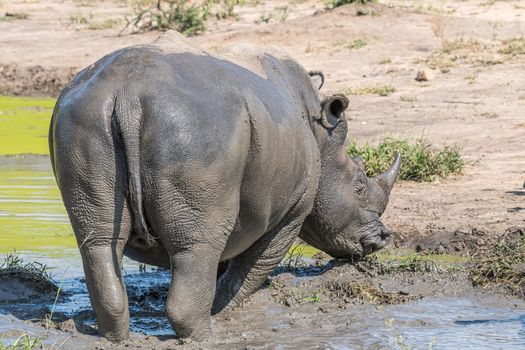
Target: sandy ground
{"x": 475, "y": 96}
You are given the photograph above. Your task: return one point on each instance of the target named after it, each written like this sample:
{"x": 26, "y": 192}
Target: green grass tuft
{"x": 24, "y": 342}
{"x": 503, "y": 265}
{"x": 381, "y": 90}
{"x": 15, "y": 263}
{"x": 513, "y": 47}
{"x": 34, "y": 272}
{"x": 356, "y": 44}
{"x": 421, "y": 162}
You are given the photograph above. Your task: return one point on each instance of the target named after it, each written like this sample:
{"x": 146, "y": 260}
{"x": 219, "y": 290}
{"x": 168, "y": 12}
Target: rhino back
{"x": 201, "y": 115}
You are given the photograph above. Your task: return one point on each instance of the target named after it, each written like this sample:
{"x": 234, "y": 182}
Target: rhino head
{"x": 345, "y": 220}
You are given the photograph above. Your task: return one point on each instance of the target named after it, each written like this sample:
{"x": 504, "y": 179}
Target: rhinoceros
{"x": 209, "y": 165}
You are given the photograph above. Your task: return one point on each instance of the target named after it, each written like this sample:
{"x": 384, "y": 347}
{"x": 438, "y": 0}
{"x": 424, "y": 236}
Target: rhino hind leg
{"x": 194, "y": 237}
{"x": 107, "y": 291}
{"x": 193, "y": 278}
{"x": 101, "y": 244}
{"x": 248, "y": 271}
{"x": 100, "y": 218}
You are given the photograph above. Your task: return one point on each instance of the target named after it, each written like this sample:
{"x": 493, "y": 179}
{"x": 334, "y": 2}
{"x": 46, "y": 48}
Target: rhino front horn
{"x": 388, "y": 178}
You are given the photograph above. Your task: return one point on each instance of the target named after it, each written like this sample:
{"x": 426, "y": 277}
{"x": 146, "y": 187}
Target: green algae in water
{"x": 408, "y": 259}
{"x": 24, "y": 124}
{"x": 32, "y": 216}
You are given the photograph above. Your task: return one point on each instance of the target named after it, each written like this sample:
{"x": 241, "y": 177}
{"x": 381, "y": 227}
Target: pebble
{"x": 424, "y": 75}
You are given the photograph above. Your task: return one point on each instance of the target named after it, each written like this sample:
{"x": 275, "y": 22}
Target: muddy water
{"x": 34, "y": 223}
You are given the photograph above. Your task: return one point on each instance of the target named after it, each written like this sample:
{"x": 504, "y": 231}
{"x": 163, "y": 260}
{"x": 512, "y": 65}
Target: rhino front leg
{"x": 248, "y": 271}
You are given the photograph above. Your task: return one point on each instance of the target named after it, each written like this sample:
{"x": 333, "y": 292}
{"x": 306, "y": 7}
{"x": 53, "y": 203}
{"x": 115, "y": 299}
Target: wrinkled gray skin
{"x": 181, "y": 159}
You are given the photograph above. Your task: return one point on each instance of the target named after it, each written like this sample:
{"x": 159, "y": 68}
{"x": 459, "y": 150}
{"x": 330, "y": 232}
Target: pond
{"x": 33, "y": 223}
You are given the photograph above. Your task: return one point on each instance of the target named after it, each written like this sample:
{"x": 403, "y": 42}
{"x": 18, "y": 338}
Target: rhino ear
{"x": 317, "y": 79}
{"x": 333, "y": 110}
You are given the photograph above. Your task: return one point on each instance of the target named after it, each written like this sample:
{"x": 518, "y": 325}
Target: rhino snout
{"x": 385, "y": 234}
{"x": 375, "y": 241}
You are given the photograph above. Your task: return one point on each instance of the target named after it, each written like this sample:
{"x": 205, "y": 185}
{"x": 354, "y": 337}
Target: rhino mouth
{"x": 371, "y": 241}
{"x": 376, "y": 241}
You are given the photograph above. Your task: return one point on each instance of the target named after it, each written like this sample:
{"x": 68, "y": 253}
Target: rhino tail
{"x": 128, "y": 129}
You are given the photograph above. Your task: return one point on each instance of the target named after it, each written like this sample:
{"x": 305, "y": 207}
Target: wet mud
{"x": 330, "y": 304}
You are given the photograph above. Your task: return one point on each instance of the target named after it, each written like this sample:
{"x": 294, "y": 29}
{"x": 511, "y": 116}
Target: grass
{"x": 331, "y": 4}
{"x": 291, "y": 296}
{"x": 348, "y": 290}
{"x": 421, "y": 161}
{"x": 407, "y": 98}
{"x": 24, "y": 124}
{"x": 356, "y": 44}
{"x": 15, "y": 263}
{"x": 504, "y": 265}
{"x": 513, "y": 47}
{"x": 380, "y": 90}
{"x": 280, "y": 14}
{"x": 23, "y": 342}
{"x": 106, "y": 24}
{"x": 12, "y": 16}
{"x": 33, "y": 273}
{"x": 465, "y": 51}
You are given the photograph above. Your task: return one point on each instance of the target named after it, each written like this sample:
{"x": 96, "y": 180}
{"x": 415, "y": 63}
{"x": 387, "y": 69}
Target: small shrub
{"x": 421, "y": 162}
{"x": 503, "y": 265}
{"x": 331, "y": 4}
{"x": 226, "y": 7}
{"x": 179, "y": 15}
